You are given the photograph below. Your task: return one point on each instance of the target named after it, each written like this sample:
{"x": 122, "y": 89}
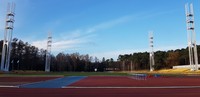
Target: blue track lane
{"x": 55, "y": 83}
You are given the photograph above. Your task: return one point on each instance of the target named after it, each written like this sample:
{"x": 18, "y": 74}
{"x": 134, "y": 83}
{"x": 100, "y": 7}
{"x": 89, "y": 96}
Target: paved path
{"x": 55, "y": 83}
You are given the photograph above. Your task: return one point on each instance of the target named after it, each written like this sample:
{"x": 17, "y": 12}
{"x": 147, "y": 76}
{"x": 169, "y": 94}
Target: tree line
{"x": 27, "y": 57}
{"x": 163, "y": 59}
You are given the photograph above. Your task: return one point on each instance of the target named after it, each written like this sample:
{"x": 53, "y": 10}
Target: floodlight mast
{"x": 151, "y": 53}
{"x": 7, "y": 46}
{"x": 193, "y": 58}
{"x": 48, "y": 53}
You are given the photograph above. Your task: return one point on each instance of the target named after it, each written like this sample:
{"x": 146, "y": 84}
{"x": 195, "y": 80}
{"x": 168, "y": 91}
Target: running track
{"x": 63, "y": 92}
{"x": 110, "y": 87}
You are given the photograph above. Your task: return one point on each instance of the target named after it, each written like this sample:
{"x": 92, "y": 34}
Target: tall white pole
{"x": 151, "y": 53}
{"x": 191, "y": 37}
{"x": 7, "y": 46}
{"x": 131, "y": 65}
{"x": 48, "y": 53}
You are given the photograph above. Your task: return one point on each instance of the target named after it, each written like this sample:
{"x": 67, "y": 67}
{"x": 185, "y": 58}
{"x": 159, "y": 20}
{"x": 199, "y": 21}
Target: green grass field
{"x": 168, "y": 72}
{"x": 42, "y": 73}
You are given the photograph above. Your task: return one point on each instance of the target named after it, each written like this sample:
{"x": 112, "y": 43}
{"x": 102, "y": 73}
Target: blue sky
{"x": 102, "y": 28}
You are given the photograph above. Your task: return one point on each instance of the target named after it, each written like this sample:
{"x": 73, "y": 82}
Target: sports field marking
{"x": 6, "y": 86}
{"x": 54, "y": 83}
{"x": 33, "y": 83}
{"x": 159, "y": 87}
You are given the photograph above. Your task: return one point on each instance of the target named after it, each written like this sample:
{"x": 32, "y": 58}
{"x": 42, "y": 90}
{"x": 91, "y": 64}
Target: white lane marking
{"x": 157, "y": 87}
{"x": 6, "y": 86}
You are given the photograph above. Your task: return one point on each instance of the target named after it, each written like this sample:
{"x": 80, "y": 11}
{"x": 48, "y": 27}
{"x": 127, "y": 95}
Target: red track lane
{"x": 111, "y": 81}
{"x": 22, "y": 80}
{"x": 26, "y": 79}
{"x": 21, "y": 92}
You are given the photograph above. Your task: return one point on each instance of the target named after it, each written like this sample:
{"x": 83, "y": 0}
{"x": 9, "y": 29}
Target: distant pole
{"x": 193, "y": 58}
{"x": 7, "y": 46}
{"x": 151, "y": 53}
{"x": 131, "y": 65}
{"x": 123, "y": 65}
{"x": 48, "y": 53}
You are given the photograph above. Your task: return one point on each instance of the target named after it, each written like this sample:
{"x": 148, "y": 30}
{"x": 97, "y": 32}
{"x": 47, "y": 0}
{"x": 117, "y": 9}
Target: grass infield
{"x": 42, "y": 73}
{"x": 169, "y": 72}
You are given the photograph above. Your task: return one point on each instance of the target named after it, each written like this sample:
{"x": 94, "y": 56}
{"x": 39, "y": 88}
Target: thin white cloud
{"x": 71, "y": 35}
{"x": 124, "y": 19}
{"x": 75, "y": 38}
{"x": 77, "y": 33}
{"x": 70, "y": 41}
{"x": 65, "y": 44}
{"x": 109, "y": 24}
{"x": 40, "y": 44}
{"x": 58, "y": 45}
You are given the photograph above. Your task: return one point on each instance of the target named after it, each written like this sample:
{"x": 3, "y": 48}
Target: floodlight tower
{"x": 191, "y": 37}
{"x": 48, "y": 53}
{"x": 6, "y": 51}
{"x": 151, "y": 53}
